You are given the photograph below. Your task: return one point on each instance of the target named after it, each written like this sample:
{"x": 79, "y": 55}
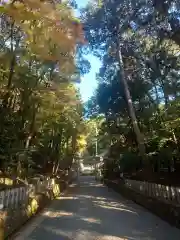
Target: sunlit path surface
{"x": 90, "y": 211}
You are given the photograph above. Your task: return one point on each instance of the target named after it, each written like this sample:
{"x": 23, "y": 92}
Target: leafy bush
{"x": 129, "y": 161}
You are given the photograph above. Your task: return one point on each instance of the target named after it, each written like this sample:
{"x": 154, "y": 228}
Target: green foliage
{"x": 40, "y": 107}
{"x": 95, "y": 137}
{"x": 151, "y": 64}
{"x": 129, "y": 162}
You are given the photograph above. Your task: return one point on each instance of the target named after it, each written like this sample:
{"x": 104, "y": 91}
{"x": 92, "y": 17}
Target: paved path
{"x": 90, "y": 211}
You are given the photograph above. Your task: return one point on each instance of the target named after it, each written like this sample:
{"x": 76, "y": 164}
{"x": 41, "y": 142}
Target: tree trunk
{"x": 58, "y": 145}
{"x": 74, "y": 142}
{"x": 11, "y": 67}
{"x": 139, "y": 136}
{"x": 31, "y": 129}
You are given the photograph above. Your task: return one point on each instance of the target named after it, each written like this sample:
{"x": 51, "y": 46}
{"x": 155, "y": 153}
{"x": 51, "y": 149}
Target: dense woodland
{"x": 135, "y": 111}
{"x": 138, "y": 85}
{"x": 40, "y": 106}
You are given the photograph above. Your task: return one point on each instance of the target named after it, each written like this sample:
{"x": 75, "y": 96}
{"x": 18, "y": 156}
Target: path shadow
{"x": 92, "y": 211}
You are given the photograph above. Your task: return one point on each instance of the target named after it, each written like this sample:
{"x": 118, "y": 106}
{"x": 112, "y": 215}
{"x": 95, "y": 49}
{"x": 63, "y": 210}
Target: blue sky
{"x": 88, "y": 82}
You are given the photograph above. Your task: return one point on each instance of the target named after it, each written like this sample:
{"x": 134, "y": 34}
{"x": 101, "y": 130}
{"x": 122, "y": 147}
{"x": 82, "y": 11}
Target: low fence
{"x": 14, "y": 197}
{"x": 18, "y": 204}
{"x": 161, "y": 192}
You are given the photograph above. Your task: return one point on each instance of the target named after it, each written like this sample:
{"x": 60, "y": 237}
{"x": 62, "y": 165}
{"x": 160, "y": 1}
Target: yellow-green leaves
{"x": 49, "y": 31}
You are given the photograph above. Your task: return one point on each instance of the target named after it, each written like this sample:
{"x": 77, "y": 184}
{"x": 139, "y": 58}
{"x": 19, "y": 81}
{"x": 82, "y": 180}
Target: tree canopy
{"x": 40, "y": 106}
{"x": 145, "y": 34}
{"x": 135, "y": 109}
